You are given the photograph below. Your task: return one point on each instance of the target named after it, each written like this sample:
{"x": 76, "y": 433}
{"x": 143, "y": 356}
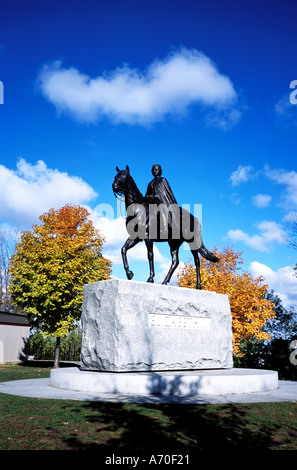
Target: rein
{"x": 120, "y": 195}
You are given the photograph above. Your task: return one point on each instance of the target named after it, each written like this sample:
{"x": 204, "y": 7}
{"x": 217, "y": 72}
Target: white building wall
{"x": 12, "y": 341}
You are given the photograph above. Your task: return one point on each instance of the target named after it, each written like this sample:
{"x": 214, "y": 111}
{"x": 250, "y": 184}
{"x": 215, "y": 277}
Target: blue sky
{"x": 200, "y": 87}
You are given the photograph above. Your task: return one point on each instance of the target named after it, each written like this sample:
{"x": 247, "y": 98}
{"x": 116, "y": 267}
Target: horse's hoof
{"x": 151, "y": 280}
{"x": 130, "y": 275}
{"x": 198, "y": 286}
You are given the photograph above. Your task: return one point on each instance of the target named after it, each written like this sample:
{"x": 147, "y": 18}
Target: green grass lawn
{"x": 134, "y": 429}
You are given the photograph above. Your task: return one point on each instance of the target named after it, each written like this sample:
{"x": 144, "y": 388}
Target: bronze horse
{"x": 143, "y": 223}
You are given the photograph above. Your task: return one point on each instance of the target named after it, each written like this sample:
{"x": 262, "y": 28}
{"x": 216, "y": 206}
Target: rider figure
{"x": 159, "y": 190}
{"x": 159, "y": 193}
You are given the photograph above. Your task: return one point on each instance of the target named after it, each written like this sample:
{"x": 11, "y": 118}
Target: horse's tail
{"x": 207, "y": 254}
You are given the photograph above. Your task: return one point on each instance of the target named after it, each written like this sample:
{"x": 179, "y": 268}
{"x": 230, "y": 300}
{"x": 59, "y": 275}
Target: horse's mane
{"x": 134, "y": 189}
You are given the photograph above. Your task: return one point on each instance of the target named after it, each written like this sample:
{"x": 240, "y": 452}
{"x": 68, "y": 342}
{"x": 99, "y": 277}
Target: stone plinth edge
{"x": 185, "y": 383}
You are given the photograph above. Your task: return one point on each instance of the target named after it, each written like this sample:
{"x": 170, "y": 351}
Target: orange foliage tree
{"x": 50, "y": 266}
{"x": 249, "y": 308}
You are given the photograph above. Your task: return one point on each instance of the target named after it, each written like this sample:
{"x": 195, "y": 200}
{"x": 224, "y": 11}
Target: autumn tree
{"x": 50, "y": 266}
{"x": 249, "y": 305}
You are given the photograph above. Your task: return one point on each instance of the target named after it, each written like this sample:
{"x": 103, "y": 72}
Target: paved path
{"x": 40, "y": 388}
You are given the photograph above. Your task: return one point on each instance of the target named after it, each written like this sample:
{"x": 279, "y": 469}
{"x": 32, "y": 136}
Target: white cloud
{"x": 30, "y": 190}
{"x": 283, "y": 105}
{"x": 115, "y": 234}
{"x": 289, "y": 180}
{"x": 280, "y": 176}
{"x": 271, "y": 234}
{"x": 285, "y": 111}
{"x": 242, "y": 175}
{"x": 168, "y": 86}
{"x": 235, "y": 198}
{"x": 262, "y": 200}
{"x": 114, "y": 231}
{"x": 283, "y": 281}
{"x": 223, "y": 120}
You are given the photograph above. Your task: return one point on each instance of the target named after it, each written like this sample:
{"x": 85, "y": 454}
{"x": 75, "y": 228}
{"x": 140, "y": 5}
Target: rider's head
{"x": 156, "y": 170}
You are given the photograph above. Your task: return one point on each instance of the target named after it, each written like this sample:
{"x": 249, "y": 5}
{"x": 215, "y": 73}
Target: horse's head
{"x": 121, "y": 181}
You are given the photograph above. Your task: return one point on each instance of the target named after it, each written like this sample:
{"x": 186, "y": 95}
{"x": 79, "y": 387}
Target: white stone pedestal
{"x": 176, "y": 383}
{"x": 131, "y": 326}
{"x": 150, "y": 339}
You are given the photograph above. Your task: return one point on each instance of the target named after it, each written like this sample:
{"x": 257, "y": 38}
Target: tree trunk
{"x": 57, "y": 353}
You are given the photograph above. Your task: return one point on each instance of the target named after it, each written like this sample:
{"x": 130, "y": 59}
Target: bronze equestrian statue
{"x": 158, "y": 218}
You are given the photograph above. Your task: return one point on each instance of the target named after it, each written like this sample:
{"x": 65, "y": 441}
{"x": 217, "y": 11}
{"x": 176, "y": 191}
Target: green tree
{"x": 50, "y": 266}
{"x": 273, "y": 354}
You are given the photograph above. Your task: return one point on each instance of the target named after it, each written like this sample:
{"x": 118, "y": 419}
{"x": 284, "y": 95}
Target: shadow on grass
{"x": 47, "y": 363}
{"x": 175, "y": 429}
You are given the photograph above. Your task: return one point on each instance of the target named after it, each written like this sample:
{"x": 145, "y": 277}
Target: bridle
{"x": 120, "y": 194}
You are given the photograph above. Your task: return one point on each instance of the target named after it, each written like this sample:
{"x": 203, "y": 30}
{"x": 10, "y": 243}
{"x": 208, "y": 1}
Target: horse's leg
{"x": 130, "y": 242}
{"x": 175, "y": 262}
{"x": 197, "y": 265}
{"x": 150, "y": 255}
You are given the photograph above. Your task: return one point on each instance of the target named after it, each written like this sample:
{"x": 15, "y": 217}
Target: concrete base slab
{"x": 177, "y": 383}
{"x": 41, "y": 389}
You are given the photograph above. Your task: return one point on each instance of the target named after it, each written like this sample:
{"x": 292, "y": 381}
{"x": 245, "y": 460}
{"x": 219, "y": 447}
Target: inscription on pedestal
{"x": 179, "y": 321}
